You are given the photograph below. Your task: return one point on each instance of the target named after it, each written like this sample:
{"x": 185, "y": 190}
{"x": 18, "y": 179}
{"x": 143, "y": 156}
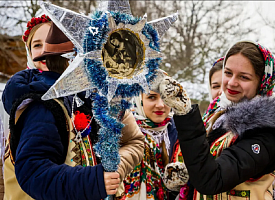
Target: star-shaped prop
{"x": 112, "y": 38}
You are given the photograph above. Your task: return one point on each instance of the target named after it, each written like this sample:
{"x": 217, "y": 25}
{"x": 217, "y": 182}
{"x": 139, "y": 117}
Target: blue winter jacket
{"x": 40, "y": 147}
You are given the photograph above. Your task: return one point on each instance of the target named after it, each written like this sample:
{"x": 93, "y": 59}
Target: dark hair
{"x": 252, "y": 53}
{"x": 217, "y": 67}
{"x": 56, "y": 63}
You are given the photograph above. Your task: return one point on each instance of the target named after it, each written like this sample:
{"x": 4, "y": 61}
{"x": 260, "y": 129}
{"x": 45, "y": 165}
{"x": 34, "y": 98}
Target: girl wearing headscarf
{"x": 230, "y": 154}
{"x": 151, "y": 178}
{"x": 34, "y": 38}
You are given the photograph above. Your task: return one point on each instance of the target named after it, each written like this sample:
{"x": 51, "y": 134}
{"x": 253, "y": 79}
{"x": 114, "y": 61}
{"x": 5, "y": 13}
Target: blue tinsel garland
{"x": 110, "y": 132}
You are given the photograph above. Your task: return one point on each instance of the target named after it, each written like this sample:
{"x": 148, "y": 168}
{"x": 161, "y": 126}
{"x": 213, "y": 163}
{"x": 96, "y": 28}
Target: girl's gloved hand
{"x": 175, "y": 176}
{"x": 171, "y": 92}
{"x": 174, "y": 96}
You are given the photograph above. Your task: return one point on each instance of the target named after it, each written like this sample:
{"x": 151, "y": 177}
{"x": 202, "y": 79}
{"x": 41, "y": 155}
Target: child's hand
{"x": 112, "y": 181}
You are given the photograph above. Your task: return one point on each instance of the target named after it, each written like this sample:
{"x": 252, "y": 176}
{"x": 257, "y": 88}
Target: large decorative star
{"x": 91, "y": 37}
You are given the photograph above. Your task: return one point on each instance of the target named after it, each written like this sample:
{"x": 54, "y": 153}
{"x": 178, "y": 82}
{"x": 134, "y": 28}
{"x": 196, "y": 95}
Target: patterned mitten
{"x": 174, "y": 96}
{"x": 160, "y": 76}
{"x": 175, "y": 176}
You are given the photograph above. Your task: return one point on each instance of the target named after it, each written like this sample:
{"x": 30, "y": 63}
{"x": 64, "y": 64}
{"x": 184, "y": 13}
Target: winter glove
{"x": 174, "y": 96}
{"x": 171, "y": 92}
{"x": 160, "y": 76}
{"x": 175, "y": 176}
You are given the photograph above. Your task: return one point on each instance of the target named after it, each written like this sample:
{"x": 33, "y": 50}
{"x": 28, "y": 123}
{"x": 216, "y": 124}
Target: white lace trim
{"x": 159, "y": 136}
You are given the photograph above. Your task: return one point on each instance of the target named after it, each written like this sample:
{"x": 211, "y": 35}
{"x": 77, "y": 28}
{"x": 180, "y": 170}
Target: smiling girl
{"x": 231, "y": 155}
{"x": 241, "y": 79}
{"x": 34, "y": 39}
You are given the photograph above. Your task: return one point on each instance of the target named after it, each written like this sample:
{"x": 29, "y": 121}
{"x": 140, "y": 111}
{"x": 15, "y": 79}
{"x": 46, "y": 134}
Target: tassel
{"x": 81, "y": 121}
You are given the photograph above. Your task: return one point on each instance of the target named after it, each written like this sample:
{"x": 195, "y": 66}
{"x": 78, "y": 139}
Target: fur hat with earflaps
{"x": 56, "y": 43}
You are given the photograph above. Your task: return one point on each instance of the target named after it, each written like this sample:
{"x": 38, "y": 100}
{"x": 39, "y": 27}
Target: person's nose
{"x": 42, "y": 49}
{"x": 233, "y": 81}
{"x": 159, "y": 103}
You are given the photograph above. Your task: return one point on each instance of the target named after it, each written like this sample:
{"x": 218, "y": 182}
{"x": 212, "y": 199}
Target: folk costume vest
{"x": 77, "y": 154}
{"x": 253, "y": 189}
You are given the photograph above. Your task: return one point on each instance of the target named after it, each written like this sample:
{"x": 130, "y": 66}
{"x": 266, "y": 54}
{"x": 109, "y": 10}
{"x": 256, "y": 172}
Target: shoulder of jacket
{"x": 54, "y": 106}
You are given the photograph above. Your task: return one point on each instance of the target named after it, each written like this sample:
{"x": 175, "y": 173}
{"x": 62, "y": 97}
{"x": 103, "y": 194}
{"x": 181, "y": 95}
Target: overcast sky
{"x": 265, "y": 34}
